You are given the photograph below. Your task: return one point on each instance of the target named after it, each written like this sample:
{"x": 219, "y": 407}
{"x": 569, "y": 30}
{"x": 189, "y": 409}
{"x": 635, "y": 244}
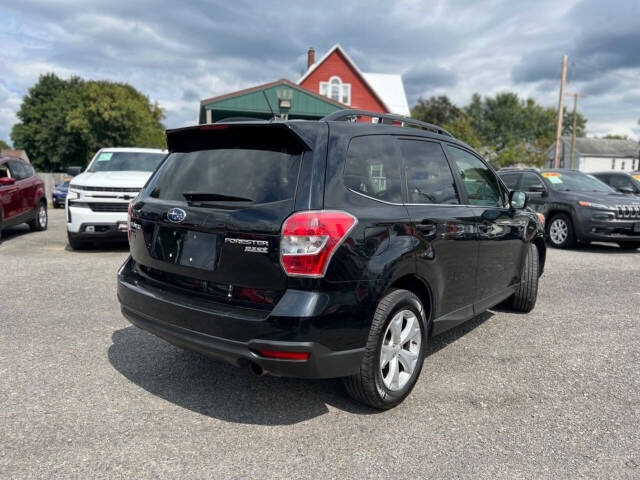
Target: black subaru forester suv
{"x": 322, "y": 249}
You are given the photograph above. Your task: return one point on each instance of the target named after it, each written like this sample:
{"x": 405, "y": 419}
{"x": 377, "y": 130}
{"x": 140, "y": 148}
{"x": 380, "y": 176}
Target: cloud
{"x": 179, "y": 54}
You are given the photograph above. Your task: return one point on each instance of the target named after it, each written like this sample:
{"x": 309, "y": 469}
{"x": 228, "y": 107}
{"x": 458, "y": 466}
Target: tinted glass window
{"x": 510, "y": 180}
{"x": 260, "y": 176}
{"x": 126, "y": 161}
{"x": 18, "y": 172}
{"x": 530, "y": 180}
{"x": 429, "y": 178}
{"x": 480, "y": 182}
{"x": 621, "y": 181}
{"x": 372, "y": 168}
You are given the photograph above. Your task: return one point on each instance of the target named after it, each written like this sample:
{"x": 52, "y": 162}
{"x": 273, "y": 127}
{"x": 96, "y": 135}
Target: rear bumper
{"x": 188, "y": 322}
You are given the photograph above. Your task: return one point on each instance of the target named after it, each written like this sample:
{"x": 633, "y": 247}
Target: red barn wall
{"x": 361, "y": 95}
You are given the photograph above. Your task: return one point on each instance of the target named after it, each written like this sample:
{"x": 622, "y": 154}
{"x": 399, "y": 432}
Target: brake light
{"x": 309, "y": 240}
{"x": 285, "y": 355}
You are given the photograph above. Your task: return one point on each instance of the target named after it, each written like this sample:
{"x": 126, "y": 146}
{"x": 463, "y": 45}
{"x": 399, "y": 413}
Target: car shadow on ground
{"x": 605, "y": 248}
{"x": 219, "y": 390}
{"x": 13, "y": 233}
{"x": 100, "y": 247}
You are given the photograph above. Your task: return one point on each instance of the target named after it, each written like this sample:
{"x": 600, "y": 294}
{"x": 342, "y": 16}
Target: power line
{"x": 628, "y": 78}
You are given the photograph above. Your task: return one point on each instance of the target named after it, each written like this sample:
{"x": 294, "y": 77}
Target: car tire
{"x": 629, "y": 245}
{"x": 74, "y": 243}
{"x": 404, "y": 348}
{"x": 560, "y": 231}
{"x": 524, "y": 299}
{"x": 41, "y": 221}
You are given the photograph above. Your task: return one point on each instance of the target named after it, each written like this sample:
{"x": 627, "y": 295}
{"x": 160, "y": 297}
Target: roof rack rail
{"x": 348, "y": 113}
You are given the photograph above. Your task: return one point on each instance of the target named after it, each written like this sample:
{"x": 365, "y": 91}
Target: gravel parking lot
{"x": 552, "y": 394}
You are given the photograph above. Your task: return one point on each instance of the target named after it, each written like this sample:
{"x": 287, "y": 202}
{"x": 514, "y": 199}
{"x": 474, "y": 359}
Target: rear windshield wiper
{"x": 213, "y": 197}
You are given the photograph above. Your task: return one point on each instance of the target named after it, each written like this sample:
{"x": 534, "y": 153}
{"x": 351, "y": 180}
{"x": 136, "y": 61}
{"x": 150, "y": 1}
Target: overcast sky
{"x": 178, "y": 55}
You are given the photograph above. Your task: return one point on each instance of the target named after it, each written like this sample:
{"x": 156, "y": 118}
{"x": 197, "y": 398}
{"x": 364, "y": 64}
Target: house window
{"x": 336, "y": 90}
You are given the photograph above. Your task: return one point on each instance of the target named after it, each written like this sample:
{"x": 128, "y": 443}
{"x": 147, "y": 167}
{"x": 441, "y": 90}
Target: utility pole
{"x": 556, "y": 159}
{"x": 573, "y": 131}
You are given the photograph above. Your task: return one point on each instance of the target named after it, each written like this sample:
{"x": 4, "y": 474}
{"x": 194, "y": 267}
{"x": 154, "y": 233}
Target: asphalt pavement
{"x": 83, "y": 394}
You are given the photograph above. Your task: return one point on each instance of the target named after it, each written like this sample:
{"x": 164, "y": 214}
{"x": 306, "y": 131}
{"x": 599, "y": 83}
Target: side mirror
{"x": 518, "y": 200}
{"x": 73, "y": 171}
{"x": 5, "y": 181}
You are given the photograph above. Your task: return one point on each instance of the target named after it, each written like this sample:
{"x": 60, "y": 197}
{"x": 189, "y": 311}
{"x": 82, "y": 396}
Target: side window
{"x": 510, "y": 180}
{"x": 4, "y": 171}
{"x": 372, "y": 168}
{"x": 17, "y": 172}
{"x": 429, "y": 178}
{"x": 531, "y": 183}
{"x": 480, "y": 182}
{"x": 30, "y": 171}
{"x": 618, "y": 181}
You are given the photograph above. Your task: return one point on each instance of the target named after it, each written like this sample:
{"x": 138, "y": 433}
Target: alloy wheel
{"x": 42, "y": 216}
{"x": 400, "y": 349}
{"x": 558, "y": 231}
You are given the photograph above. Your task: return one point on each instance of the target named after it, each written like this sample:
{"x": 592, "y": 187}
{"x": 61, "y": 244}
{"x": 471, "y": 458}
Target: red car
{"x": 22, "y": 197}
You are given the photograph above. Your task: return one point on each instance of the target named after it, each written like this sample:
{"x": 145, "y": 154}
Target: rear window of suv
{"x": 259, "y": 176}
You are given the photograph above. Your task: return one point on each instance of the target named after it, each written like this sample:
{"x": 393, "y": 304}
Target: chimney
{"x": 311, "y": 57}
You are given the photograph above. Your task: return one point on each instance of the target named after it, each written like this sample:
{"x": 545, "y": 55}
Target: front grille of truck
{"x": 106, "y": 189}
{"x": 628, "y": 211}
{"x": 108, "y": 207}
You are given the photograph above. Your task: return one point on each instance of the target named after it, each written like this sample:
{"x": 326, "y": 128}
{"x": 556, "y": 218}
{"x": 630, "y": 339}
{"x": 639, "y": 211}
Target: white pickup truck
{"x": 98, "y": 199}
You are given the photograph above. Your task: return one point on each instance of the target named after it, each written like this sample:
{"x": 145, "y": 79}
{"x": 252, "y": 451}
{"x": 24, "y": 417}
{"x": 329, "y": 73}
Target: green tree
{"x": 438, "y": 110}
{"x": 4, "y": 145}
{"x": 612, "y": 136}
{"x": 461, "y": 129}
{"x": 567, "y": 124}
{"x": 504, "y": 120}
{"x": 64, "y": 122}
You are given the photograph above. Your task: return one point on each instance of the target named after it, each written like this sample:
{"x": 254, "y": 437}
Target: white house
{"x": 597, "y": 154}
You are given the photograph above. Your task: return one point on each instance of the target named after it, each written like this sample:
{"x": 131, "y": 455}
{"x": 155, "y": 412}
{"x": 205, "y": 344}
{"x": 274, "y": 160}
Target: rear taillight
{"x": 309, "y": 240}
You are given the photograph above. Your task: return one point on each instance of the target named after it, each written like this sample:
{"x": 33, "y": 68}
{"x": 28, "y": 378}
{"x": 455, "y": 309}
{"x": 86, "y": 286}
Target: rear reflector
{"x": 213, "y": 127}
{"x": 285, "y": 355}
{"x": 309, "y": 240}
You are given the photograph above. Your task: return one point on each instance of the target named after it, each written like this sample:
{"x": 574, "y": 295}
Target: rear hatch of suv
{"x": 209, "y": 221}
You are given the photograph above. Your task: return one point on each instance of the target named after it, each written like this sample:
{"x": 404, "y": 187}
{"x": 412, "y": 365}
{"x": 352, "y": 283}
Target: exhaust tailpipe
{"x": 256, "y": 369}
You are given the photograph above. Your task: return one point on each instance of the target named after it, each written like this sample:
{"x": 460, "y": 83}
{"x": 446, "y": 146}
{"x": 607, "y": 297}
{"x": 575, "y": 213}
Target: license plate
{"x": 636, "y": 227}
{"x": 186, "y": 247}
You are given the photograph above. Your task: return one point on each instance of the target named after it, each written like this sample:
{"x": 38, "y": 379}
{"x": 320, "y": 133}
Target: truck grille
{"x": 106, "y": 189}
{"x": 628, "y": 211}
{"x": 108, "y": 207}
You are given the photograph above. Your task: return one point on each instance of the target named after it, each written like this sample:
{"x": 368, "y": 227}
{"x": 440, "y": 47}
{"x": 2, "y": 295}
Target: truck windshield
{"x": 126, "y": 161}
{"x": 575, "y": 182}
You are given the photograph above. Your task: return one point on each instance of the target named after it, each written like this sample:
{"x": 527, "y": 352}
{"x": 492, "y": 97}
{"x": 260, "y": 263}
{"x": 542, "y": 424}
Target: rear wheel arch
{"x": 542, "y": 253}
{"x": 420, "y": 289}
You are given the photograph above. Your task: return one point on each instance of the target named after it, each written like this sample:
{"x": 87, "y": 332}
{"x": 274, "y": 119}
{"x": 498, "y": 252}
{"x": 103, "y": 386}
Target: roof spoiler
{"x": 274, "y": 136}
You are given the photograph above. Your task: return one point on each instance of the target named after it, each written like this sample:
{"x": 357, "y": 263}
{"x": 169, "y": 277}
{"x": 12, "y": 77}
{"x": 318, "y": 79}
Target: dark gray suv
{"x": 578, "y": 207}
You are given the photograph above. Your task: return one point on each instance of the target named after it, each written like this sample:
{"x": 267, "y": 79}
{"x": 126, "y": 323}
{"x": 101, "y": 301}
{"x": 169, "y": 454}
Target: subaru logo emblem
{"x": 176, "y": 215}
